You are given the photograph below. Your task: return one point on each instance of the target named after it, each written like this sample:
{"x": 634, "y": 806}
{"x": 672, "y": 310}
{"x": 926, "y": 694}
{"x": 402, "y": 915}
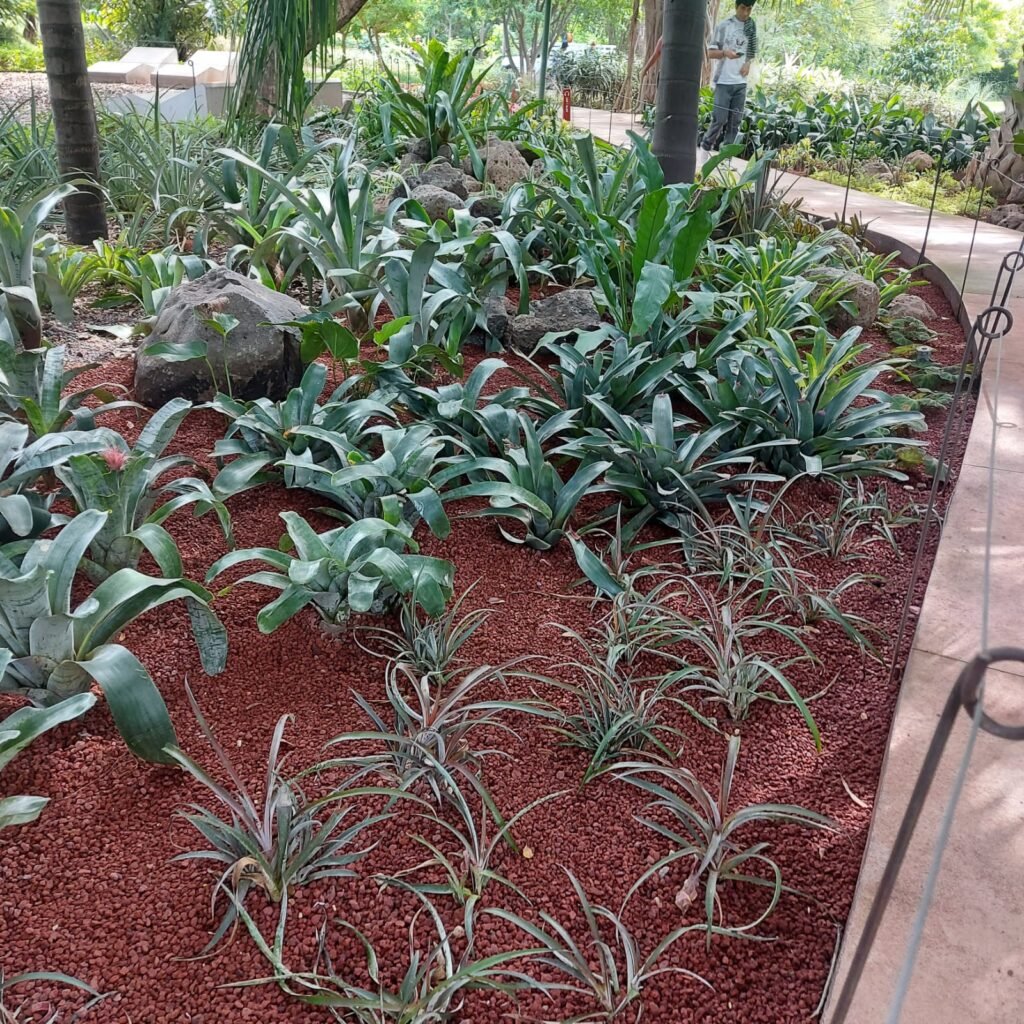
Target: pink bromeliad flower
{"x": 115, "y": 458}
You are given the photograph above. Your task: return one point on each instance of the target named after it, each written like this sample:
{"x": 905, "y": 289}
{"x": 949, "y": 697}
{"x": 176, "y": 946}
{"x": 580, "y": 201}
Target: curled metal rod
{"x": 965, "y": 694}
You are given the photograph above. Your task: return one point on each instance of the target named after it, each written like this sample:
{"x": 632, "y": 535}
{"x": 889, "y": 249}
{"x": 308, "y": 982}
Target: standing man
{"x": 733, "y": 46}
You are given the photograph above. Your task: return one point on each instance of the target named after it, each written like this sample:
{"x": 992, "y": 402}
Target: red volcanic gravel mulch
{"x": 90, "y": 889}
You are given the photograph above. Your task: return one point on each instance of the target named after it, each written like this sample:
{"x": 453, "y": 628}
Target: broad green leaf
{"x": 135, "y": 703}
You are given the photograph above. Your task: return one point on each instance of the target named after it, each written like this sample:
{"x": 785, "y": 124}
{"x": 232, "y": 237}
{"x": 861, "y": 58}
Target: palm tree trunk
{"x": 710, "y": 23}
{"x": 74, "y": 117}
{"x": 675, "y": 124}
{"x": 653, "y": 10}
{"x": 626, "y": 98}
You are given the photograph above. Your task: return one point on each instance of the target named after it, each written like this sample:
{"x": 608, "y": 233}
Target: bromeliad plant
{"x": 54, "y": 651}
{"x": 297, "y": 437}
{"x": 19, "y": 235}
{"x": 471, "y": 258}
{"x": 147, "y": 280}
{"x": 624, "y": 377}
{"x": 123, "y": 481}
{"x": 569, "y": 207}
{"x": 354, "y": 569}
{"x": 439, "y": 112}
{"x": 811, "y": 408}
{"x": 336, "y": 226}
{"x": 615, "y": 711}
{"x": 470, "y": 870}
{"x": 704, "y": 832}
{"x": 769, "y": 281}
{"x": 662, "y": 467}
{"x": 33, "y": 385}
{"x": 430, "y": 645}
{"x": 728, "y": 671}
{"x": 536, "y": 497}
{"x": 458, "y": 410}
{"x": 642, "y": 269}
{"x": 432, "y": 990}
{"x": 403, "y": 481}
{"x": 622, "y": 970}
{"x": 23, "y": 511}
{"x": 430, "y": 323}
{"x": 274, "y": 841}
{"x": 431, "y": 741}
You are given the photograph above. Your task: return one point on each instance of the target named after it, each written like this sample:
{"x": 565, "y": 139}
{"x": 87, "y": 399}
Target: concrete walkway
{"x": 971, "y": 964}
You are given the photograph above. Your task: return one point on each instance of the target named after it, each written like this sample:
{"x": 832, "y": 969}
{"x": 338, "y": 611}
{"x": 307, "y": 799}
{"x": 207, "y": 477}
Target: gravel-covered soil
{"x": 91, "y": 890}
{"x": 19, "y": 88}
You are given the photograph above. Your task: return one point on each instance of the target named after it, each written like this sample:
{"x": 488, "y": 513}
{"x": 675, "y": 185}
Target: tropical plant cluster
{"x": 852, "y": 127}
{"x": 714, "y": 385}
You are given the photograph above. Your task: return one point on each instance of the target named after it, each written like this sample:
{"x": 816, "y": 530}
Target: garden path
{"x": 971, "y": 961}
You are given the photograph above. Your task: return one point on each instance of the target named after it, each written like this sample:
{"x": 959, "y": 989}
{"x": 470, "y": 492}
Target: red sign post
{"x": 567, "y": 104}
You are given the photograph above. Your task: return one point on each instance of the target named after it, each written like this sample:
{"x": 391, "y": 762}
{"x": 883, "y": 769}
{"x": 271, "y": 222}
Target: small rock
{"x": 438, "y": 202}
{"x": 569, "y": 312}
{"x": 860, "y": 293}
{"x": 911, "y": 305}
{"x": 487, "y": 207}
{"x": 1011, "y": 216}
{"x": 877, "y": 168}
{"x": 844, "y": 245}
{"x": 504, "y": 164}
{"x": 439, "y": 174}
{"x": 443, "y": 175}
{"x": 497, "y": 310}
{"x": 920, "y": 161}
{"x": 411, "y": 163}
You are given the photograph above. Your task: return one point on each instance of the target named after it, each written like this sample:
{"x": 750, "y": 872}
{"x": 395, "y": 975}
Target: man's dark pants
{"x": 725, "y": 120}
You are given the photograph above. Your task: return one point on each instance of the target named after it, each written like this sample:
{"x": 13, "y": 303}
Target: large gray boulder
{"x": 568, "y": 312}
{"x": 858, "y": 293}
{"x": 262, "y": 361}
{"x": 504, "y": 165}
{"x": 437, "y": 202}
{"x": 911, "y": 305}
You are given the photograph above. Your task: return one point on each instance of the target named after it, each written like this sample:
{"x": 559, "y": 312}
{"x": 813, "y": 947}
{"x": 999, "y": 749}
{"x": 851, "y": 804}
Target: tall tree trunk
{"x": 506, "y": 40}
{"x": 709, "y": 26}
{"x": 1001, "y": 169}
{"x": 524, "y": 66}
{"x": 74, "y": 117}
{"x": 375, "y": 43}
{"x": 653, "y": 11}
{"x": 675, "y": 124}
{"x": 625, "y": 101}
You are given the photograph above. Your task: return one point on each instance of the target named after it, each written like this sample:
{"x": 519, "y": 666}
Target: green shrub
{"x": 21, "y": 56}
{"x": 182, "y": 24}
{"x": 51, "y": 651}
